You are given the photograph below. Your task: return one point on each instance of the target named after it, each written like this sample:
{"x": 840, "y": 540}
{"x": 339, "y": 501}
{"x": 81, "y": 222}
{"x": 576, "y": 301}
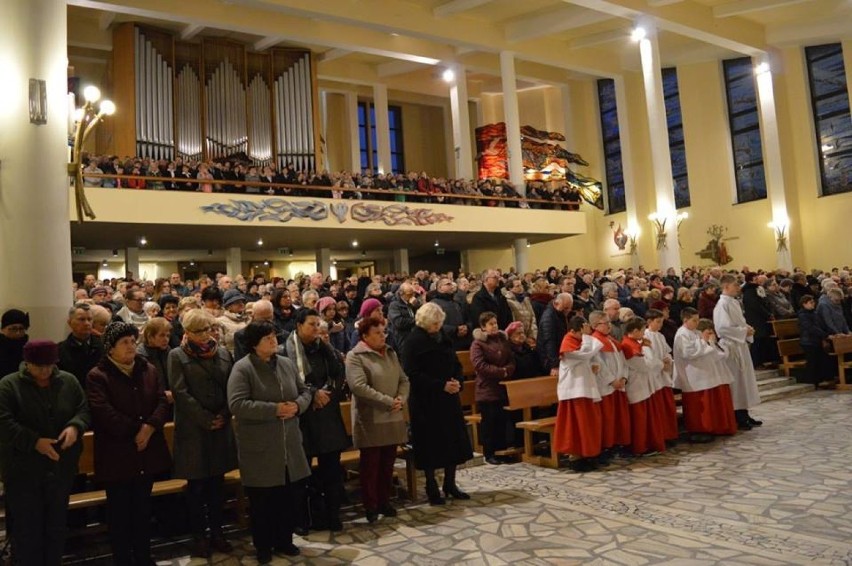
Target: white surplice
{"x": 732, "y": 328}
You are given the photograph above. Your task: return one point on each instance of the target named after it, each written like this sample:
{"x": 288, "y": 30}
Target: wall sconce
{"x": 660, "y": 220}
{"x": 780, "y": 227}
{"x": 681, "y": 216}
{"x": 632, "y": 234}
{"x": 86, "y": 119}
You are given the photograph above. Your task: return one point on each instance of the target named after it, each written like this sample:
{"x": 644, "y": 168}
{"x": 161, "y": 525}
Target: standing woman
{"x": 437, "y": 421}
{"x": 379, "y": 389}
{"x": 493, "y": 362}
{"x": 322, "y": 426}
{"x": 266, "y": 396}
{"x": 155, "y": 349}
{"x": 204, "y": 448}
{"x": 129, "y": 409}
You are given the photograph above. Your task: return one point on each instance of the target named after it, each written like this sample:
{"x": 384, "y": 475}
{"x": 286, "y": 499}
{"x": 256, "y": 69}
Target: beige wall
{"x": 424, "y": 138}
{"x": 337, "y": 141}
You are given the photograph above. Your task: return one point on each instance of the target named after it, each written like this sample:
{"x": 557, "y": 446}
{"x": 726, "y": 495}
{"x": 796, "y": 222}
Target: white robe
{"x": 661, "y": 351}
{"x": 732, "y": 328}
{"x": 698, "y": 365}
{"x": 612, "y": 367}
{"x": 640, "y": 375}
{"x": 576, "y": 378}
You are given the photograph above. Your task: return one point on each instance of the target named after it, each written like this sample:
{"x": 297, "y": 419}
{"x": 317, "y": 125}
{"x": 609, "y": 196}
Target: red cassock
{"x": 615, "y": 412}
{"x": 646, "y": 426}
{"x": 664, "y": 406}
{"x": 578, "y": 428}
{"x": 710, "y": 411}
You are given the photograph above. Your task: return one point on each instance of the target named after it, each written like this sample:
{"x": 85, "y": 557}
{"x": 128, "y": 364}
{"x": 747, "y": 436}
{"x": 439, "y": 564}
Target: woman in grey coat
{"x": 266, "y": 396}
{"x": 379, "y": 389}
{"x": 204, "y": 449}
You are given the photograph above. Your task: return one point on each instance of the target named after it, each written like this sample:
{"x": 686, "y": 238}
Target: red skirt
{"x": 663, "y": 402}
{"x": 578, "y": 428}
{"x": 615, "y": 413}
{"x": 646, "y": 430}
{"x": 710, "y": 411}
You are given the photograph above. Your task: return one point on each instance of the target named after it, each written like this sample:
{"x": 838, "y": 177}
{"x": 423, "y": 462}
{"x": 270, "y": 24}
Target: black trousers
{"x": 326, "y": 484}
{"x": 820, "y": 365}
{"x": 40, "y": 509}
{"x": 272, "y": 514}
{"x": 129, "y": 521}
{"x": 205, "y": 499}
{"x": 495, "y": 426}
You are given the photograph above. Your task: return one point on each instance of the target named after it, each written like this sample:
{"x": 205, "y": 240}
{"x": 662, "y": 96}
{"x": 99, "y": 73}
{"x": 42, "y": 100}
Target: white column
{"x": 35, "y": 241}
{"x": 400, "y": 261}
{"x": 521, "y": 255}
{"x": 568, "y": 124}
{"x": 324, "y": 261}
{"x": 380, "y": 101}
{"x": 772, "y": 164}
{"x": 461, "y": 125}
{"x": 513, "y": 121}
{"x": 627, "y": 162}
{"x": 131, "y": 263}
{"x": 661, "y": 159}
{"x": 234, "y": 262}
{"x": 354, "y": 137}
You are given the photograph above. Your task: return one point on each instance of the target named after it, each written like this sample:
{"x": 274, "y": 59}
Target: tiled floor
{"x": 776, "y": 495}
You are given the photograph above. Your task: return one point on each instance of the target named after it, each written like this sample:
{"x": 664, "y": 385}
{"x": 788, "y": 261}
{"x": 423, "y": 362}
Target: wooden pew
{"x": 467, "y": 398}
{"x": 842, "y": 346}
{"x": 525, "y": 395}
{"x": 467, "y": 365}
{"x": 792, "y": 355}
{"x": 785, "y": 328}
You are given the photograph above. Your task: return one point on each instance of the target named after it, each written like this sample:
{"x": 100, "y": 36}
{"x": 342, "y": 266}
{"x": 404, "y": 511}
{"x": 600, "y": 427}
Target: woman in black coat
{"x": 758, "y": 314}
{"x": 323, "y": 432}
{"x": 438, "y": 429}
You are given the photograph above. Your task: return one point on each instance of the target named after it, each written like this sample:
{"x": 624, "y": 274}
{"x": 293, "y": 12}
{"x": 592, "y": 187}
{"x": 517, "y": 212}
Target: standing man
{"x": 490, "y": 299}
{"x": 551, "y": 331}
{"x": 735, "y": 335}
{"x": 43, "y": 415}
{"x": 80, "y": 351}
{"x": 401, "y": 313}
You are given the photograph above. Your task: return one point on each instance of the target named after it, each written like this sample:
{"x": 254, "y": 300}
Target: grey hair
{"x": 429, "y": 314}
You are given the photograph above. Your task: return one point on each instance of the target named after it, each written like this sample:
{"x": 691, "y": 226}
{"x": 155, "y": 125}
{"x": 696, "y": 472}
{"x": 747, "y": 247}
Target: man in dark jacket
{"x": 43, "y": 415}
{"x": 13, "y": 336}
{"x": 455, "y": 326}
{"x": 758, "y": 313}
{"x": 401, "y": 313}
{"x": 81, "y": 351}
{"x": 551, "y": 330}
{"x": 490, "y": 299}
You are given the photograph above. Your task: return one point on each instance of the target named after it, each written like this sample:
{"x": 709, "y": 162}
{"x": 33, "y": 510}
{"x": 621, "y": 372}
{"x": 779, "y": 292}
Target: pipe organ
{"x": 213, "y": 99}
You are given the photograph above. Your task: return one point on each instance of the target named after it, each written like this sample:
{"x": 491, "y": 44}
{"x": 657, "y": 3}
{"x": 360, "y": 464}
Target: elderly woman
{"x": 204, "y": 440}
{"x": 310, "y": 298}
{"x": 437, "y": 422}
{"x": 379, "y": 389}
{"x": 169, "y": 312}
{"x": 493, "y": 362}
{"x": 43, "y": 414}
{"x": 266, "y": 396}
{"x": 129, "y": 409}
{"x": 234, "y": 317}
{"x": 154, "y": 347}
{"x": 322, "y": 427}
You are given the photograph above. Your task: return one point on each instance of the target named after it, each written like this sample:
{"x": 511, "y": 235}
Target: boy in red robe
{"x": 612, "y": 379}
{"x": 646, "y": 428}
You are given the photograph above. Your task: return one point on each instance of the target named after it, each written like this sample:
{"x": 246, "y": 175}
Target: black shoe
{"x": 200, "y": 547}
{"x": 433, "y": 494}
{"x": 264, "y": 556}
{"x": 754, "y": 422}
{"x": 454, "y": 492}
{"x": 335, "y": 526}
{"x": 372, "y": 516}
{"x": 582, "y": 465}
{"x": 388, "y": 510}
{"x": 288, "y": 550}
{"x": 493, "y": 461}
{"x": 700, "y": 438}
{"x": 744, "y": 426}
{"x": 302, "y": 531}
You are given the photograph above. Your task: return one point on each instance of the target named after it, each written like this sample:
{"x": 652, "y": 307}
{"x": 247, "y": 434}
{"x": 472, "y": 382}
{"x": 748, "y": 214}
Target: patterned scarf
{"x": 200, "y": 351}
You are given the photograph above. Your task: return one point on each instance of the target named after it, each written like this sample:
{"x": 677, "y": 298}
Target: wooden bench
{"x": 467, "y": 398}
{"x": 842, "y": 346}
{"x": 467, "y": 365}
{"x": 785, "y": 328}
{"x": 792, "y": 355}
{"x": 525, "y": 395}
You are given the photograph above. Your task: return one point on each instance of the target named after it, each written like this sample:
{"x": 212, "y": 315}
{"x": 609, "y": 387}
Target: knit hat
{"x": 115, "y": 331}
{"x": 41, "y": 352}
{"x": 514, "y": 327}
{"x": 324, "y": 303}
{"x": 98, "y": 290}
{"x": 14, "y": 316}
{"x": 368, "y": 306}
{"x": 232, "y": 296}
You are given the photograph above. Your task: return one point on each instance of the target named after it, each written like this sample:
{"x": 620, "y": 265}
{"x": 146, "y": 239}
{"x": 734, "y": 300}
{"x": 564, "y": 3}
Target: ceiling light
{"x": 209, "y": 252}
{"x": 104, "y": 263}
{"x": 334, "y": 262}
{"x": 354, "y": 243}
{"x": 364, "y": 253}
{"x": 449, "y": 75}
{"x": 437, "y": 244}
{"x": 528, "y": 244}
{"x": 143, "y": 241}
{"x": 638, "y": 33}
{"x": 259, "y": 242}
{"x": 191, "y": 262}
{"x": 266, "y": 263}
{"x": 114, "y": 253}
{"x": 291, "y": 253}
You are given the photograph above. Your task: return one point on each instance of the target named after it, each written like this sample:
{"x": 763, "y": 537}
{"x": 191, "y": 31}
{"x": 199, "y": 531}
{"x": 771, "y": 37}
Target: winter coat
{"x": 78, "y": 358}
{"x": 527, "y": 362}
{"x": 270, "y": 448}
{"x": 485, "y": 302}
{"x": 552, "y": 328}
{"x": 706, "y": 304}
{"x": 159, "y": 359}
{"x": 455, "y": 318}
{"x": 27, "y": 413}
{"x": 830, "y": 317}
{"x": 811, "y": 333}
{"x": 120, "y": 405}
{"x": 322, "y": 429}
{"x": 285, "y": 324}
{"x": 438, "y": 429}
{"x": 11, "y": 354}
{"x": 756, "y": 309}
{"x": 779, "y": 305}
{"x": 232, "y": 323}
{"x": 200, "y": 393}
{"x": 493, "y": 362}
{"x": 523, "y": 312}
{"x": 401, "y": 319}
{"x": 375, "y": 379}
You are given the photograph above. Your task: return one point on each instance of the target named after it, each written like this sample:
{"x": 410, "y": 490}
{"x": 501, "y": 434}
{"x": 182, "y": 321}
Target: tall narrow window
{"x": 745, "y": 129}
{"x": 677, "y": 147}
{"x": 369, "y": 142}
{"x": 616, "y": 201}
{"x": 832, "y": 121}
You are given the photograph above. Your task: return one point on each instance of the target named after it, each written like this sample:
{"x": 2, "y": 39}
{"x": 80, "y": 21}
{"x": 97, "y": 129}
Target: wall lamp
{"x": 85, "y": 120}
{"x": 659, "y": 220}
{"x": 781, "y": 228}
{"x": 632, "y": 234}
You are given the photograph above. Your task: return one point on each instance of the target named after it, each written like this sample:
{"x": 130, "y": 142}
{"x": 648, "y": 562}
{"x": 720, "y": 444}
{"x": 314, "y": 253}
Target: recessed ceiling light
{"x": 449, "y": 76}
{"x": 260, "y": 242}
{"x": 354, "y": 243}
{"x": 143, "y": 241}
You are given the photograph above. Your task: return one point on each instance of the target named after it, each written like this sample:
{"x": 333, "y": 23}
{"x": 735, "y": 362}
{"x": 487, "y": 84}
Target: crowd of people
{"x": 244, "y": 177}
{"x": 252, "y": 372}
